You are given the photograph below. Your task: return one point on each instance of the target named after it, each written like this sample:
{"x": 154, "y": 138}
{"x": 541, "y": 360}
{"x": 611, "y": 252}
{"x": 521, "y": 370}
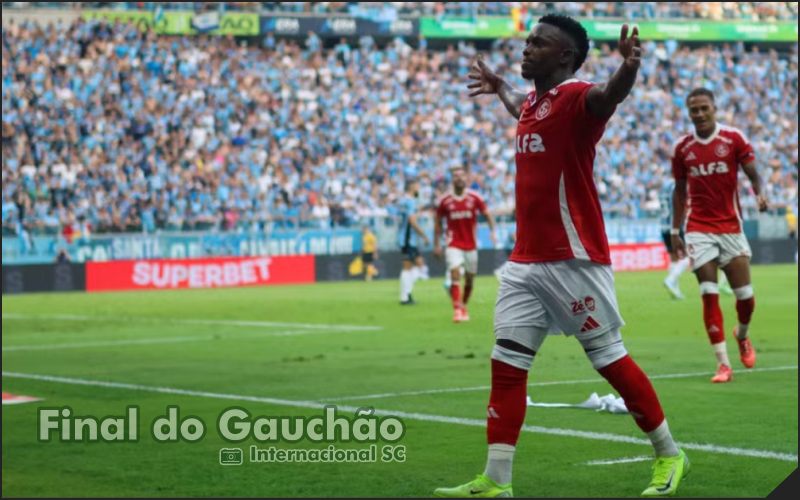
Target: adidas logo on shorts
{"x": 589, "y": 324}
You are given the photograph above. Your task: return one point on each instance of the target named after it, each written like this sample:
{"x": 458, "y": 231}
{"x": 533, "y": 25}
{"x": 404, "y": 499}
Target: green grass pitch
{"x": 142, "y": 341}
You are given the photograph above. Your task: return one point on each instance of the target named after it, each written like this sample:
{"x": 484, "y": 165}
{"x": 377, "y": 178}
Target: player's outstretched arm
{"x": 602, "y": 100}
{"x": 489, "y": 82}
{"x": 755, "y": 180}
{"x": 678, "y": 214}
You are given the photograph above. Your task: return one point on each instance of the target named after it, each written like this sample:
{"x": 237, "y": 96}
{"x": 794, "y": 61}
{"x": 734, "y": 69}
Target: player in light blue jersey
{"x": 676, "y": 266}
{"x": 409, "y": 236}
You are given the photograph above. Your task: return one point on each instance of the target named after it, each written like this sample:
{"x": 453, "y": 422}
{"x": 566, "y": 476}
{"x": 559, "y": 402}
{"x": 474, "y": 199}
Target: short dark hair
{"x": 575, "y": 31}
{"x": 700, "y": 91}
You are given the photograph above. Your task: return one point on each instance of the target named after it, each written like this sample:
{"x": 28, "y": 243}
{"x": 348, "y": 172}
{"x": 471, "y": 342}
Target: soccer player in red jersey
{"x": 705, "y": 165}
{"x": 559, "y": 278}
{"x": 460, "y": 208}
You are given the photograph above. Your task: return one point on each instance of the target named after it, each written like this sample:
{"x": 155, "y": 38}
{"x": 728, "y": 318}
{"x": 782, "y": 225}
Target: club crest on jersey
{"x": 543, "y": 110}
{"x": 722, "y": 150}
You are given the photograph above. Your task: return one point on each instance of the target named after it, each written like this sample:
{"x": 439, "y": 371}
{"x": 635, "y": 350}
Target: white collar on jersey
{"x": 565, "y": 82}
{"x": 708, "y": 139}
{"x": 452, "y": 193}
{"x": 571, "y": 80}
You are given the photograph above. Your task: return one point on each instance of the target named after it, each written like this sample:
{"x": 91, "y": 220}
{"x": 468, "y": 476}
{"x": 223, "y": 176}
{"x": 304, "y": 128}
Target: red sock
{"x": 744, "y": 310}
{"x": 467, "y": 291}
{"x": 455, "y": 294}
{"x": 507, "y": 403}
{"x": 636, "y": 390}
{"x": 712, "y": 316}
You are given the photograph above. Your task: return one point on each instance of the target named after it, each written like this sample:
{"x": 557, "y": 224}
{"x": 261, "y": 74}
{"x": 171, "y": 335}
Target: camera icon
{"x": 230, "y": 456}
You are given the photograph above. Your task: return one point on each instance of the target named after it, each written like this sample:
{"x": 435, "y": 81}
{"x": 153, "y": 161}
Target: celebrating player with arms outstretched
{"x": 559, "y": 276}
{"x": 460, "y": 208}
{"x": 705, "y": 165}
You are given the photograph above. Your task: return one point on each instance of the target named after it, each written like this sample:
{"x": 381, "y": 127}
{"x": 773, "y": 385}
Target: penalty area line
{"x": 664, "y": 376}
{"x": 626, "y": 460}
{"x": 420, "y": 417}
{"x": 161, "y": 340}
{"x": 189, "y": 321}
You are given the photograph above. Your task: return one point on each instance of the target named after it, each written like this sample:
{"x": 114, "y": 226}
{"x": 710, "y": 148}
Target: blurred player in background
{"x": 705, "y": 165}
{"x": 460, "y": 209}
{"x": 677, "y": 266}
{"x": 408, "y": 238}
{"x": 559, "y": 277}
{"x": 369, "y": 253}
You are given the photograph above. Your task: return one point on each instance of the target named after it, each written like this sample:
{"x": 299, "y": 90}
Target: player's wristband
{"x": 675, "y": 232}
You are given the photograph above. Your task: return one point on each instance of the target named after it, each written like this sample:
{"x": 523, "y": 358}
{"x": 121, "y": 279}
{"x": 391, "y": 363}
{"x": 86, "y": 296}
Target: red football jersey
{"x": 710, "y": 167}
{"x": 558, "y": 210}
{"x": 461, "y": 213}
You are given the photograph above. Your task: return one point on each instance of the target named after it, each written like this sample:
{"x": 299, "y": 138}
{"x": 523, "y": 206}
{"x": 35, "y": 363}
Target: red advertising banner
{"x": 639, "y": 257}
{"x": 165, "y": 274}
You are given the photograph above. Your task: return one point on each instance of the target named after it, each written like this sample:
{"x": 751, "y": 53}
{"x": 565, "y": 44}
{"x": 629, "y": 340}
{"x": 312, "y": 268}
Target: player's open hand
{"x": 678, "y": 247}
{"x": 763, "y": 206}
{"x": 437, "y": 252}
{"x": 630, "y": 47}
{"x": 487, "y": 82}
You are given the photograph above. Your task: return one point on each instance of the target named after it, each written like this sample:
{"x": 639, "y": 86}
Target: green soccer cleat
{"x": 667, "y": 475}
{"x": 480, "y": 487}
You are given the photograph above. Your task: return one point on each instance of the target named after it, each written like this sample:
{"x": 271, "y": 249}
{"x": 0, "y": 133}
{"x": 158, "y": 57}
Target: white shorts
{"x": 723, "y": 248}
{"x": 571, "y": 296}
{"x": 455, "y": 257}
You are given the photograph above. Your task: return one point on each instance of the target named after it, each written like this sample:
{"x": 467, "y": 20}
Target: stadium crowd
{"x": 106, "y": 129}
{"x": 752, "y": 11}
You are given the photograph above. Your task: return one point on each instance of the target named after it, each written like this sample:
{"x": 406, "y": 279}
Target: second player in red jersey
{"x": 710, "y": 169}
{"x": 706, "y": 165}
{"x": 460, "y": 209}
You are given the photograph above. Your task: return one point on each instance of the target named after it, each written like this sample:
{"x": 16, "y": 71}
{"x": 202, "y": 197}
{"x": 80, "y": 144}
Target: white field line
{"x": 627, "y": 460}
{"x": 543, "y": 384}
{"x": 422, "y": 417}
{"x": 154, "y": 340}
{"x": 187, "y": 321}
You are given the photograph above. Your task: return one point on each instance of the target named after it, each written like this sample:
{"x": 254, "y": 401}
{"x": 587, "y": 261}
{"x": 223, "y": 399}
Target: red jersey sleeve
{"x": 744, "y": 150}
{"x": 678, "y": 168}
{"x": 596, "y": 125}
